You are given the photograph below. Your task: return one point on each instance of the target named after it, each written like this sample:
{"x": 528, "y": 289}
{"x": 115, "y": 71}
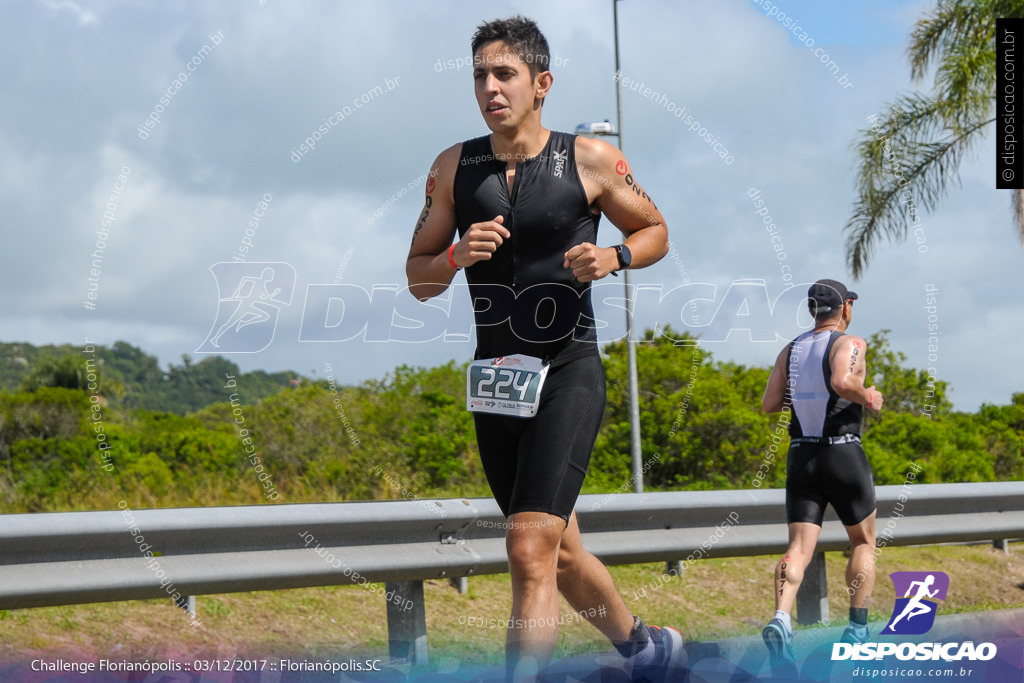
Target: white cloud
{"x": 82, "y": 16}
{"x": 225, "y": 139}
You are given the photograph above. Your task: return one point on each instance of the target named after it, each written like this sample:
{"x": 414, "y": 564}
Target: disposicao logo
{"x": 257, "y": 292}
{"x": 914, "y": 613}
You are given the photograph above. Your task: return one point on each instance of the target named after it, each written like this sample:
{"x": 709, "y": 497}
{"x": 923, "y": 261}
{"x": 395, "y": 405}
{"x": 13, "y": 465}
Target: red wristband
{"x": 451, "y": 259}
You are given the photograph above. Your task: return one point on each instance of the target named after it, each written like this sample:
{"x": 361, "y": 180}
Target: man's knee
{"x": 529, "y": 551}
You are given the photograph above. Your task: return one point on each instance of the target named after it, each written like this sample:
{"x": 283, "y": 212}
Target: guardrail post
{"x": 407, "y": 622}
{"x": 812, "y": 598}
{"x": 187, "y": 603}
{"x": 1002, "y": 544}
{"x": 460, "y": 583}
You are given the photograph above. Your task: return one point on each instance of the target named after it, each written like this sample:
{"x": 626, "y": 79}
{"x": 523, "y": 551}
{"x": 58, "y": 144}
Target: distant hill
{"x": 179, "y": 389}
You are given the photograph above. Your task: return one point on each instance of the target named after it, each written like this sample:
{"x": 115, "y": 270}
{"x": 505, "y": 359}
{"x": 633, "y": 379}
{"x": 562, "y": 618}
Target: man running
{"x": 821, "y": 376}
{"x": 526, "y": 202}
{"x": 251, "y": 308}
{"x": 916, "y": 607}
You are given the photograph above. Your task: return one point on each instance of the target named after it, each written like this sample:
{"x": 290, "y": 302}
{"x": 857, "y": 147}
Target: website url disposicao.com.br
{"x": 327, "y": 123}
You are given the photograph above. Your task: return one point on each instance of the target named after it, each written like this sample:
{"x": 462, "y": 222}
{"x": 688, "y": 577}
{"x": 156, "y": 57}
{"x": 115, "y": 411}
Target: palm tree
{"x": 912, "y": 151}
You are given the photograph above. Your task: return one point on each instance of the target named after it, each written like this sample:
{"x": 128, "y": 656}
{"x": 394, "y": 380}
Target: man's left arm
{"x": 849, "y": 370}
{"x": 611, "y": 188}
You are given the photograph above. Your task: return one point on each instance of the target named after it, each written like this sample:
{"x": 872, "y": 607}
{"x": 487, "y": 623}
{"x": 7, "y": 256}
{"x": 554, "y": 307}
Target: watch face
{"x": 625, "y": 258}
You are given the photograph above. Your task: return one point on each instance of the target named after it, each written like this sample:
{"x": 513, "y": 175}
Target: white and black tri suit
{"x": 825, "y": 463}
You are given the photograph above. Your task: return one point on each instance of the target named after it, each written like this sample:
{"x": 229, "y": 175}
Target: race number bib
{"x": 507, "y": 385}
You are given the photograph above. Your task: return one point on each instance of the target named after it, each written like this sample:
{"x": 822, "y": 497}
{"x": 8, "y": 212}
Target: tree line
{"x": 66, "y": 447}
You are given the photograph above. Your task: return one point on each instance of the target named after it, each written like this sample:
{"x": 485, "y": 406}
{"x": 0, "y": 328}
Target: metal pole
{"x": 812, "y": 596}
{"x": 634, "y": 387}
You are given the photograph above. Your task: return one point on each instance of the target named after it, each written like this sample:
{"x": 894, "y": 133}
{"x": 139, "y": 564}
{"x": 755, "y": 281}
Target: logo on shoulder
{"x": 560, "y": 159}
{"x": 914, "y": 613}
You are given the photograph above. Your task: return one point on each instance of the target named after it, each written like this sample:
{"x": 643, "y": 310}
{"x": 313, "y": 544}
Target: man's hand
{"x": 590, "y": 262}
{"x": 480, "y": 241}
{"x": 875, "y": 399}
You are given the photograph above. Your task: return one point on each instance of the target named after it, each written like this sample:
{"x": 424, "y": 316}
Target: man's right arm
{"x": 774, "y": 398}
{"x": 427, "y": 266}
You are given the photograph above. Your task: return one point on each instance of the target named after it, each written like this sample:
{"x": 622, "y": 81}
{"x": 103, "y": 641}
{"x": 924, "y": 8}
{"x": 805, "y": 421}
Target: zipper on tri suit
{"x": 512, "y": 215}
{"x": 512, "y": 238}
{"x": 521, "y": 167}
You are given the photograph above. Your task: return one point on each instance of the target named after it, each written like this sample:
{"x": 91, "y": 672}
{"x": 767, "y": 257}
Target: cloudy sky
{"x": 82, "y": 79}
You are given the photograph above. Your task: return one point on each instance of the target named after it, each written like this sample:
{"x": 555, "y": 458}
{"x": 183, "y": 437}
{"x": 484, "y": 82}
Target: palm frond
{"x": 907, "y": 161}
{"x": 966, "y": 78}
{"x": 903, "y": 174}
{"x": 1017, "y": 199}
{"x": 936, "y": 31}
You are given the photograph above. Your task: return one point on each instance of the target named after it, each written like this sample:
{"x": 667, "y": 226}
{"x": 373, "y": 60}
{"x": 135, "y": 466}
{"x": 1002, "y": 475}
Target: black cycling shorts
{"x": 819, "y": 474}
{"x": 537, "y": 464}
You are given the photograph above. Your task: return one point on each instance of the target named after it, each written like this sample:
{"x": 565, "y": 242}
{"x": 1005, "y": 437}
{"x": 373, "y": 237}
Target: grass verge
{"x": 714, "y": 599}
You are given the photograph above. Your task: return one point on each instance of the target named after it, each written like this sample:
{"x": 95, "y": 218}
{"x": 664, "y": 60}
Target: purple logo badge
{"x": 914, "y": 612}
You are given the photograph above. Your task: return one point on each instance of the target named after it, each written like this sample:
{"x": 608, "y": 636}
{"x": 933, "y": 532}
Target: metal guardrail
{"x": 80, "y": 557}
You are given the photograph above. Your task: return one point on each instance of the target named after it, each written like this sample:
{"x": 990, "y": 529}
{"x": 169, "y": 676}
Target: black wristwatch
{"x": 624, "y": 255}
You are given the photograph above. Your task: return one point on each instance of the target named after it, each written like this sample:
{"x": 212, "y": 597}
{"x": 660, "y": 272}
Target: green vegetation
{"x": 129, "y": 376}
{"x": 66, "y": 447}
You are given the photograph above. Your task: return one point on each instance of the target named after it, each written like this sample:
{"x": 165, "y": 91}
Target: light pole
{"x": 634, "y": 389}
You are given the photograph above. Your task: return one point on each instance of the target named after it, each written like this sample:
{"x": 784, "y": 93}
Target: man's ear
{"x": 543, "y": 84}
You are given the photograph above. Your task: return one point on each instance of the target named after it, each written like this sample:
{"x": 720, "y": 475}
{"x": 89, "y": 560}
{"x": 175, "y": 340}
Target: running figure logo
{"x": 914, "y": 613}
{"x": 247, "y": 318}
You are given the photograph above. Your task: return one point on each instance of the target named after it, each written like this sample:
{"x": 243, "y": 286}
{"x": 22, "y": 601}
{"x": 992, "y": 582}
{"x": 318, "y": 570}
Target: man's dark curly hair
{"x": 522, "y": 37}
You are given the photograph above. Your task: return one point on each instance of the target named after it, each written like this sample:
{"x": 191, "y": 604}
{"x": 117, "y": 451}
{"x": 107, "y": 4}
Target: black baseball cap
{"x": 827, "y": 295}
